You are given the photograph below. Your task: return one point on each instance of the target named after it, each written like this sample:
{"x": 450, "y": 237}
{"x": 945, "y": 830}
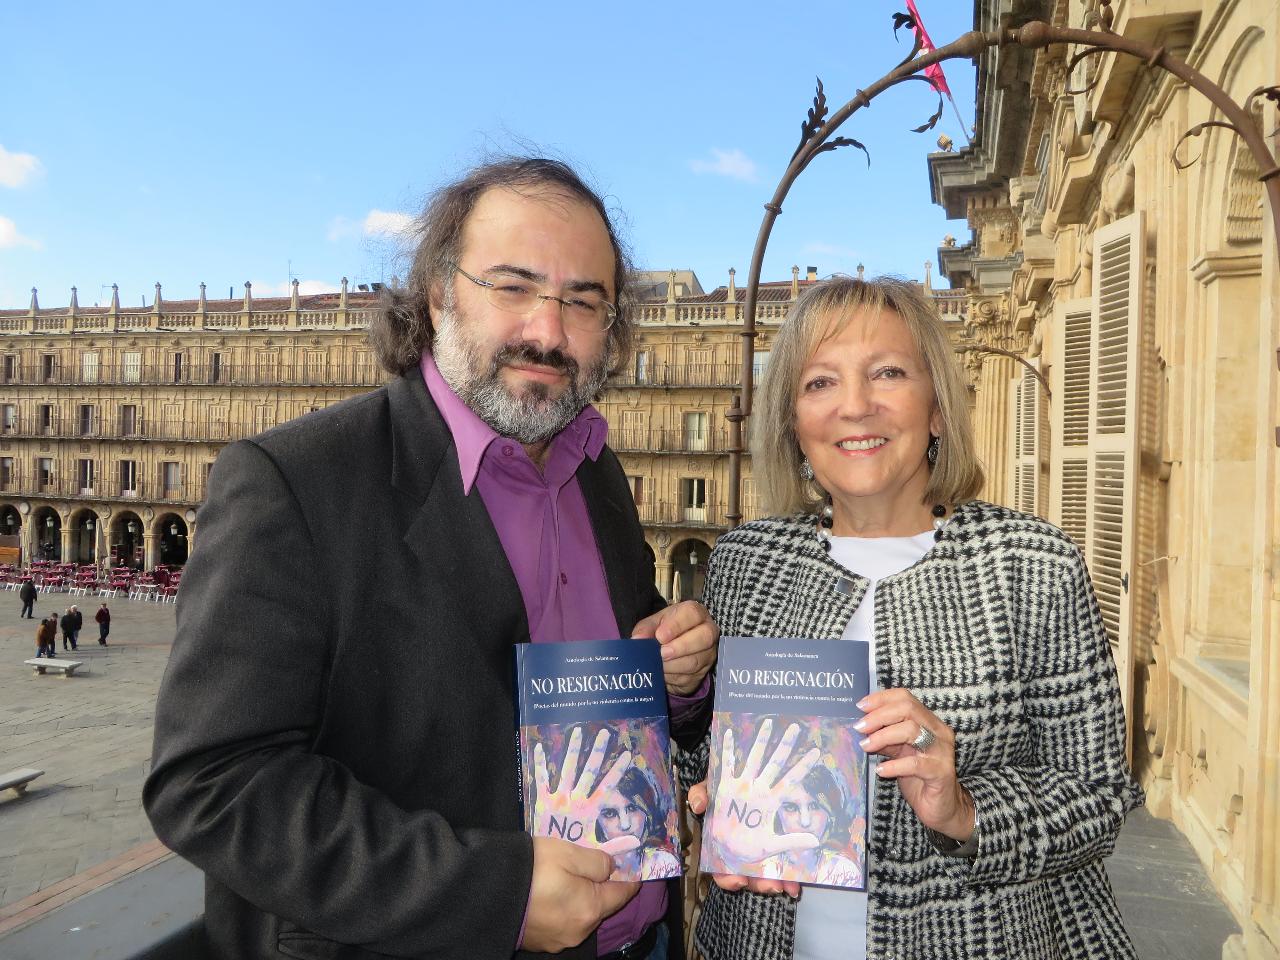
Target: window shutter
{"x": 1029, "y": 444}
{"x": 1072, "y": 370}
{"x": 1117, "y": 338}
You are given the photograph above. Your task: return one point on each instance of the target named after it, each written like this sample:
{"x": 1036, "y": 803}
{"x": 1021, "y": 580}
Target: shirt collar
{"x": 585, "y": 434}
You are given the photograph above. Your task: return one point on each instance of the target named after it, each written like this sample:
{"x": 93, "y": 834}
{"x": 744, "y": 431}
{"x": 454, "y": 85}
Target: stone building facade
{"x": 1146, "y": 298}
{"x": 110, "y": 418}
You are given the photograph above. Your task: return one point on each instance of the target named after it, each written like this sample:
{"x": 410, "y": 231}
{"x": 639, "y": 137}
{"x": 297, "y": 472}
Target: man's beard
{"x": 530, "y": 416}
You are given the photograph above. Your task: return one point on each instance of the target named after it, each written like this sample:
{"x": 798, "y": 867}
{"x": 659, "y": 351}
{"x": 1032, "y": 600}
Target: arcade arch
{"x": 83, "y": 544}
{"x": 46, "y": 534}
{"x": 125, "y": 540}
{"x": 171, "y": 539}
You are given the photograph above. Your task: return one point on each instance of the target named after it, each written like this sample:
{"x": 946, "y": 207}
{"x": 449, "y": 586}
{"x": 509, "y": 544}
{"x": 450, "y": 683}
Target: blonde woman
{"x": 995, "y": 717}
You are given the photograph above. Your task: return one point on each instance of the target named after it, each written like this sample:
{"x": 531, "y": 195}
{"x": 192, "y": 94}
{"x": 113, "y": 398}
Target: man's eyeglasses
{"x": 584, "y": 311}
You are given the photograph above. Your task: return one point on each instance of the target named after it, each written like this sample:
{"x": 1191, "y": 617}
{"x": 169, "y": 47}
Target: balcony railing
{"x": 193, "y": 374}
{"x": 679, "y": 375}
{"x": 665, "y": 514}
{"x": 669, "y": 441}
{"x": 60, "y": 488}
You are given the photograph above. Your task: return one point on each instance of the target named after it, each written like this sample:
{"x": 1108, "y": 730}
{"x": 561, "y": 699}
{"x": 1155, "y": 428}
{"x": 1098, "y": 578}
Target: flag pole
{"x": 963, "y": 128}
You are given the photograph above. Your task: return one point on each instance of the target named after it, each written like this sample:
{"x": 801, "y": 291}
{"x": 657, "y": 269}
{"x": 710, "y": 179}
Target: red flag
{"x": 933, "y": 72}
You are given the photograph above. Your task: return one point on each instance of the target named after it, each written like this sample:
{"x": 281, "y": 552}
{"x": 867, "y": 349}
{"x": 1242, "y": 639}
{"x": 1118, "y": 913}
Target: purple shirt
{"x": 545, "y": 530}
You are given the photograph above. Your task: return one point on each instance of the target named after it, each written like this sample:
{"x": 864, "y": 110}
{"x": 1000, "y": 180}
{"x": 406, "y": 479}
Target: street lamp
{"x": 131, "y": 527}
{"x": 693, "y": 557}
{"x": 88, "y": 524}
{"x": 48, "y": 522}
{"x": 173, "y": 529}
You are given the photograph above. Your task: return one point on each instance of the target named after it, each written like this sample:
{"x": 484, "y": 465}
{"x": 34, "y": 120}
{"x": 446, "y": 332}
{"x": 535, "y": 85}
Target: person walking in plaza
{"x": 68, "y": 624}
{"x": 77, "y": 624}
{"x": 103, "y": 618}
{"x": 47, "y": 637}
{"x": 995, "y": 713}
{"x": 28, "y": 595}
{"x": 490, "y": 512}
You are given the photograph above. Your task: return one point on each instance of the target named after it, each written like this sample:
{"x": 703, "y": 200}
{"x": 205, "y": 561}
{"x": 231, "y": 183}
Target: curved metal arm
{"x": 1033, "y": 36}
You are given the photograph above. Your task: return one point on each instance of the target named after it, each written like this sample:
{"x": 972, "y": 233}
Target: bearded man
{"x": 347, "y": 802}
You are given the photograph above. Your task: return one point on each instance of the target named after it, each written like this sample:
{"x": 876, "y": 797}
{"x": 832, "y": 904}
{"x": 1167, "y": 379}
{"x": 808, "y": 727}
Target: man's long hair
{"x": 402, "y": 328}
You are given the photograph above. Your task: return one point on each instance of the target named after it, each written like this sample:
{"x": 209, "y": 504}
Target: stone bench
{"x": 17, "y": 780}
{"x": 66, "y": 667}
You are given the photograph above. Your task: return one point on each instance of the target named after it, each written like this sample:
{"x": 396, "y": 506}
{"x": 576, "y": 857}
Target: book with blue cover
{"x": 594, "y": 751}
{"x": 787, "y": 779}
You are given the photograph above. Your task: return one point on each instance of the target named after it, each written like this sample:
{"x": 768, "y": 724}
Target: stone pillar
{"x": 149, "y": 551}
{"x": 662, "y": 577}
{"x": 991, "y": 425}
{"x": 66, "y": 542}
{"x": 191, "y": 539}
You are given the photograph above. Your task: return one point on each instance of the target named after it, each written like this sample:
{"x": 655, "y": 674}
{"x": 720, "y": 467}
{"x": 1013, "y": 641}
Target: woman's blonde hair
{"x": 821, "y": 312}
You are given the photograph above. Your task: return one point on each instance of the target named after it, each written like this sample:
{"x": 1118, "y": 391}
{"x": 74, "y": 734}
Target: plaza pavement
{"x": 81, "y": 825}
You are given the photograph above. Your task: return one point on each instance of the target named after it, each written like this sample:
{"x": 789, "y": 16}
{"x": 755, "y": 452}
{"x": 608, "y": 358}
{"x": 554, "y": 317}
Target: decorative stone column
{"x": 149, "y": 551}
{"x": 662, "y": 578}
{"x": 66, "y": 541}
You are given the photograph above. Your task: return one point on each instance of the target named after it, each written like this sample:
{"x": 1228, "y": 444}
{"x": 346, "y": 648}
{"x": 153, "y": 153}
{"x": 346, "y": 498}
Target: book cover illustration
{"x": 594, "y": 751}
{"x": 788, "y": 781}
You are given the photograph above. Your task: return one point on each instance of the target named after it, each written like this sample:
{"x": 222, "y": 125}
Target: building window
{"x": 177, "y": 368}
{"x": 131, "y": 368}
{"x": 128, "y": 420}
{"x": 637, "y": 489}
{"x": 172, "y": 426}
{"x": 9, "y": 418}
{"x": 44, "y": 473}
{"x": 128, "y": 478}
{"x": 171, "y": 479}
{"x": 268, "y": 368}
{"x": 48, "y": 420}
{"x": 10, "y": 369}
{"x": 264, "y": 417}
{"x": 215, "y": 368}
{"x": 84, "y": 473}
{"x": 89, "y": 368}
{"x": 218, "y": 421}
{"x": 7, "y": 476}
{"x": 693, "y": 498}
{"x": 759, "y": 360}
{"x": 88, "y": 419}
{"x": 49, "y": 367}
{"x": 642, "y": 367}
{"x": 696, "y": 434}
{"x": 315, "y": 367}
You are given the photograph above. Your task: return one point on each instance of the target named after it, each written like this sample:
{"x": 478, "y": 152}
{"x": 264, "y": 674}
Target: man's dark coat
{"x": 337, "y": 791}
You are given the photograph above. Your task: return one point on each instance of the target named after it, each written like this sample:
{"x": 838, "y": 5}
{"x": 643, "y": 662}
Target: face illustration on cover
{"x": 634, "y": 810}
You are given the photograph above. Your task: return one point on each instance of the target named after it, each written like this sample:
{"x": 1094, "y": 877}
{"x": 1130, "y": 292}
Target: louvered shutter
{"x": 1117, "y": 339}
{"x": 1072, "y": 375}
{"x": 1029, "y": 444}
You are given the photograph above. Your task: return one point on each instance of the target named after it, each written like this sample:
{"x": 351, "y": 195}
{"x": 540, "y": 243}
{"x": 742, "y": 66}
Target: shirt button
{"x": 564, "y": 577}
{"x": 508, "y": 450}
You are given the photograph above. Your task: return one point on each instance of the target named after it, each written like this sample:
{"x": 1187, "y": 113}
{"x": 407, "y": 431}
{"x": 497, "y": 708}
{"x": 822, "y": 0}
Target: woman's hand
{"x": 926, "y": 777}
{"x": 698, "y": 800}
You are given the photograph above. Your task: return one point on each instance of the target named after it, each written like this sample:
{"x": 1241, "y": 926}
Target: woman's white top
{"x": 832, "y": 923}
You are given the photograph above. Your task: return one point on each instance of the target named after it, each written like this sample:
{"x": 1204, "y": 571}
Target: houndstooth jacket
{"x": 997, "y": 631}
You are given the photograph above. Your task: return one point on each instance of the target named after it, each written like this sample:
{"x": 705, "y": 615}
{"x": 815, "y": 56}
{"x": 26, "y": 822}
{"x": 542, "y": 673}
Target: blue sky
{"x": 229, "y": 141}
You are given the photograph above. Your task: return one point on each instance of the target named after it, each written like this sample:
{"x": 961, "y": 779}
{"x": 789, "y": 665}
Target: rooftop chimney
{"x": 811, "y": 273}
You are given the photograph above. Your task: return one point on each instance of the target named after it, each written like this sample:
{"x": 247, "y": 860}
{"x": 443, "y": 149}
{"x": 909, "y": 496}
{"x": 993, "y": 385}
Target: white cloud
{"x": 387, "y": 223}
{"x": 306, "y": 288}
{"x": 10, "y": 237}
{"x": 727, "y": 163}
{"x": 339, "y": 229}
{"x": 17, "y": 168}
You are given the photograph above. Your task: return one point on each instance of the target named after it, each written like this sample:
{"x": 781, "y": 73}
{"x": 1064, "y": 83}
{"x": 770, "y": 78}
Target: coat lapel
{"x": 608, "y": 523}
{"x": 451, "y": 534}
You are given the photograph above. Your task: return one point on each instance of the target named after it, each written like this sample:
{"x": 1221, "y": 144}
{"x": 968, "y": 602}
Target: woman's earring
{"x": 931, "y": 454}
{"x": 806, "y": 470}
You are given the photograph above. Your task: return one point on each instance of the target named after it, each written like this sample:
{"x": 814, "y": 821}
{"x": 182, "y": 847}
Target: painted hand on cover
{"x": 746, "y": 805}
{"x": 571, "y": 811}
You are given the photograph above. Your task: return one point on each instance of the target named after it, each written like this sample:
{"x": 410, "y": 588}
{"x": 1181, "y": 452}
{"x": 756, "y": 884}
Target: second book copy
{"x": 594, "y": 751}
{"x": 788, "y": 781}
